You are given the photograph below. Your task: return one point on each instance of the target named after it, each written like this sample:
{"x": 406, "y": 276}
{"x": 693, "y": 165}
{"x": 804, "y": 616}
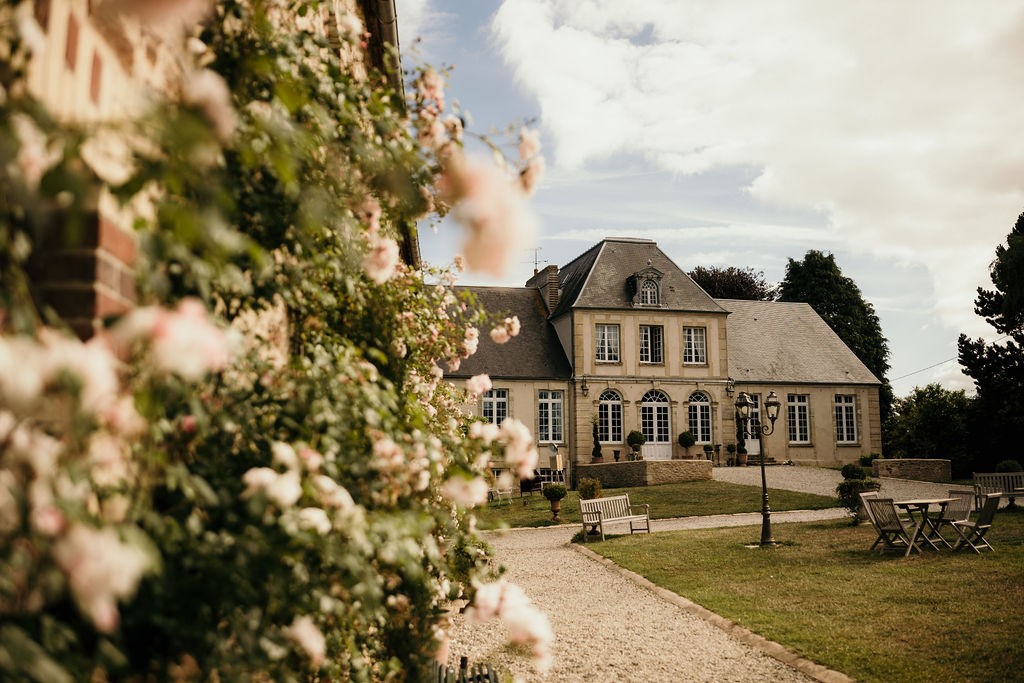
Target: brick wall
{"x": 918, "y": 469}
{"x": 88, "y": 276}
{"x": 645, "y": 472}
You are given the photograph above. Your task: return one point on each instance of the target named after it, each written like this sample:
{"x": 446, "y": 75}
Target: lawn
{"x": 932, "y": 617}
{"x": 685, "y": 499}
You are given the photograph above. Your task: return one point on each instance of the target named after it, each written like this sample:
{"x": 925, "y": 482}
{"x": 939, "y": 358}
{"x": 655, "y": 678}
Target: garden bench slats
{"x": 600, "y": 511}
{"x": 995, "y": 482}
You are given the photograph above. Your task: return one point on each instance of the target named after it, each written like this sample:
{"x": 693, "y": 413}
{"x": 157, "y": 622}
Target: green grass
{"x": 931, "y": 617}
{"x": 685, "y": 499}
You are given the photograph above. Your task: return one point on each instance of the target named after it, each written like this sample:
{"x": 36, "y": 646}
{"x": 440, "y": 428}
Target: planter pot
{"x": 616, "y": 454}
{"x": 741, "y": 459}
{"x": 597, "y": 459}
{"x": 556, "y": 507}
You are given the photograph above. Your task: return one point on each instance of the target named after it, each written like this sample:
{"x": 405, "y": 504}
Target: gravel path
{"x": 608, "y": 627}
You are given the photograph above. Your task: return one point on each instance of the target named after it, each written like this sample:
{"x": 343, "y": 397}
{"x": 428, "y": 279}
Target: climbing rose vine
{"x": 260, "y": 472}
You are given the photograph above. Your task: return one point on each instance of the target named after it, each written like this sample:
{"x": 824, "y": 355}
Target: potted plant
{"x": 596, "y": 451}
{"x": 687, "y": 439}
{"x": 555, "y": 493}
{"x": 708, "y": 450}
{"x": 741, "y": 456}
{"x": 730, "y": 448}
{"x": 636, "y": 439}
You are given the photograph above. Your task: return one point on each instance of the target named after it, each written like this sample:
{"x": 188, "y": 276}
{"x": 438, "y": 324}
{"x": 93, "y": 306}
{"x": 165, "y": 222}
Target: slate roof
{"x": 597, "y": 278}
{"x": 773, "y": 341}
{"x": 535, "y": 353}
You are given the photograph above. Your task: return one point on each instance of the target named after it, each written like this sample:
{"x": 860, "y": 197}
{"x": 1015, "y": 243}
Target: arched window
{"x": 609, "y": 417}
{"x": 699, "y": 413}
{"x": 654, "y": 417}
{"x": 649, "y": 293}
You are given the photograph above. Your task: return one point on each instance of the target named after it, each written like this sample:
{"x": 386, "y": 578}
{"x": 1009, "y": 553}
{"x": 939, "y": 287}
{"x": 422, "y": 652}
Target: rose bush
{"x": 261, "y": 472}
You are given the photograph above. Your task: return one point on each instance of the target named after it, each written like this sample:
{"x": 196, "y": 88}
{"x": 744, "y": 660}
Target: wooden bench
{"x": 499, "y": 494}
{"x": 1005, "y": 483}
{"x": 599, "y": 511}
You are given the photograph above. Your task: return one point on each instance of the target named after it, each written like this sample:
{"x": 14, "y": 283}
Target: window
{"x": 700, "y": 416}
{"x": 651, "y": 344}
{"x": 649, "y": 293}
{"x": 846, "y": 419}
{"x": 495, "y": 405}
{"x": 609, "y": 417}
{"x": 654, "y": 421}
{"x": 694, "y": 346}
{"x": 549, "y": 416}
{"x": 608, "y": 343}
{"x": 798, "y": 418}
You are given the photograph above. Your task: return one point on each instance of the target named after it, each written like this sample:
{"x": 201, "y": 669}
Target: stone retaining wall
{"x": 644, "y": 472}
{"x": 918, "y": 469}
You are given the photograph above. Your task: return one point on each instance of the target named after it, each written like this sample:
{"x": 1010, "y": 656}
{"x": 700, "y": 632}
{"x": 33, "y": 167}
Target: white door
{"x": 656, "y": 426}
{"x": 753, "y": 425}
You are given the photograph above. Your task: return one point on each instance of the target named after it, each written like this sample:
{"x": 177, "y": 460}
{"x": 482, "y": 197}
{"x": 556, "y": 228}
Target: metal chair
{"x": 893, "y": 532}
{"x": 973, "y": 533}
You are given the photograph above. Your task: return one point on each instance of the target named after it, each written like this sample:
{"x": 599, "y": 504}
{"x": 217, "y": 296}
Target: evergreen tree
{"x": 997, "y": 367}
{"x": 818, "y": 281}
{"x": 933, "y": 422}
{"x": 734, "y": 283}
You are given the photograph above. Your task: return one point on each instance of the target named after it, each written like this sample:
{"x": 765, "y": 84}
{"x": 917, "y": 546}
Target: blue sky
{"x": 737, "y": 133}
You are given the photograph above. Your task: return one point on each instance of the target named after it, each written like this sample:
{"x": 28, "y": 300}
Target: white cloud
{"x": 420, "y": 27}
{"x": 899, "y": 121}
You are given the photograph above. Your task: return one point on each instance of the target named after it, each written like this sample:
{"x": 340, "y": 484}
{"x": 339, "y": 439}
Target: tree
{"x": 818, "y": 281}
{"x": 998, "y": 368}
{"x": 734, "y": 283}
{"x": 933, "y": 422}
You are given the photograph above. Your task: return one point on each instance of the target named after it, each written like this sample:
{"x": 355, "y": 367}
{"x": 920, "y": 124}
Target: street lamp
{"x": 771, "y": 409}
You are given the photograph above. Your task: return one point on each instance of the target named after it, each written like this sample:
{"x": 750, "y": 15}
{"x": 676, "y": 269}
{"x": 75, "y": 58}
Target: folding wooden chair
{"x": 864, "y": 504}
{"x": 893, "y": 532}
{"x": 973, "y": 533}
{"x": 957, "y": 511}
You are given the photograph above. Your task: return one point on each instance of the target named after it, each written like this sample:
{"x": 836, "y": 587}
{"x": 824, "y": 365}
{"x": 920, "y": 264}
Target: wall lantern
{"x": 583, "y": 386}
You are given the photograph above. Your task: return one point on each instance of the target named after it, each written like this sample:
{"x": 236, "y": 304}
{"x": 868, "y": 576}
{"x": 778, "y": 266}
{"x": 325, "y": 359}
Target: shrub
{"x": 554, "y": 492}
{"x": 687, "y": 439}
{"x": 866, "y": 460}
{"x": 849, "y": 491}
{"x": 589, "y": 489}
{"x": 1009, "y": 466}
{"x": 853, "y": 471}
{"x": 636, "y": 439}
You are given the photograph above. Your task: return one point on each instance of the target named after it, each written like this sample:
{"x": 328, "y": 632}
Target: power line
{"x": 935, "y": 365}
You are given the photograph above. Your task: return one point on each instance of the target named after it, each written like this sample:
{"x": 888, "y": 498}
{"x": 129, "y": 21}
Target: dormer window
{"x": 645, "y": 287}
{"x": 649, "y": 293}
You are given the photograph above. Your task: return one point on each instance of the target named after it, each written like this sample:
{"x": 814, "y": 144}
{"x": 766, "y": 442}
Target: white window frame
{"x": 609, "y": 417}
{"x": 550, "y": 416}
{"x": 494, "y": 406}
{"x": 652, "y": 344}
{"x": 606, "y": 343}
{"x": 699, "y": 417}
{"x": 649, "y": 294}
{"x": 695, "y": 346}
{"x": 846, "y": 418}
{"x": 798, "y": 418}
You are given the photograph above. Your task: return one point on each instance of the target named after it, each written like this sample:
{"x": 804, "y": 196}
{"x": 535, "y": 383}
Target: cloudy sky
{"x": 744, "y": 133}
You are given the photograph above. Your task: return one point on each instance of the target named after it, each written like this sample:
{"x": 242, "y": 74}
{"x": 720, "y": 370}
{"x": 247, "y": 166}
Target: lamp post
{"x": 771, "y": 409}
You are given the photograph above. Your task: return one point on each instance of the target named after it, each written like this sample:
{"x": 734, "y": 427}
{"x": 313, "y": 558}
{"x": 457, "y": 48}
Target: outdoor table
{"x": 920, "y": 506}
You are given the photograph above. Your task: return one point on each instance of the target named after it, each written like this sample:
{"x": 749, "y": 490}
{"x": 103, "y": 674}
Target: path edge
{"x": 769, "y": 647}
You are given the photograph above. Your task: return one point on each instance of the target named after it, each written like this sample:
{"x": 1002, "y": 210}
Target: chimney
{"x": 547, "y": 282}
